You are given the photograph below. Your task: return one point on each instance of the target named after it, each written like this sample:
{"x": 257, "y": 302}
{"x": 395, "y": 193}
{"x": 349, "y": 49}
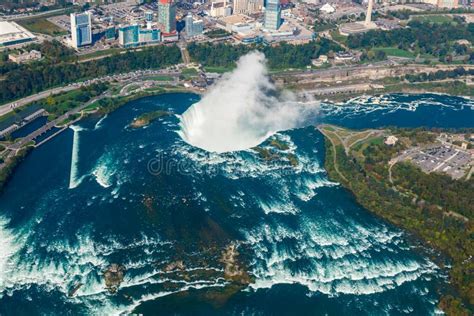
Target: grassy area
{"x": 69, "y": 119}
{"x": 433, "y": 18}
{"x": 100, "y": 53}
{"x": 161, "y": 78}
{"x": 397, "y": 52}
{"x": 43, "y": 26}
{"x": 219, "y": 70}
{"x": 188, "y": 73}
{"x": 338, "y": 37}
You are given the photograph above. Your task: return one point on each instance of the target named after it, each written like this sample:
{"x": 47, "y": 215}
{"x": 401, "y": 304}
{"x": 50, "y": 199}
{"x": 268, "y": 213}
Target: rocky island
{"x": 147, "y": 118}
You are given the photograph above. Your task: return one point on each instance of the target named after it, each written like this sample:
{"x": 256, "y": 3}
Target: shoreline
{"x": 371, "y": 194}
{"x": 123, "y": 100}
{"x": 7, "y": 169}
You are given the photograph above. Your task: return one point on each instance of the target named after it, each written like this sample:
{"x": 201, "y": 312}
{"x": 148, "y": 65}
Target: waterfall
{"x": 241, "y": 110}
{"x": 74, "y": 180}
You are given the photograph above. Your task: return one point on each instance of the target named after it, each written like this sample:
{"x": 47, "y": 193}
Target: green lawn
{"x": 338, "y": 37}
{"x": 219, "y": 70}
{"x": 161, "y": 78}
{"x": 100, "y": 53}
{"x": 433, "y": 18}
{"x": 393, "y": 51}
{"x": 189, "y": 73}
{"x": 43, "y": 26}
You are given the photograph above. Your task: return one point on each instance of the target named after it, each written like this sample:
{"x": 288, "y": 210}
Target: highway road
{"x": 6, "y": 108}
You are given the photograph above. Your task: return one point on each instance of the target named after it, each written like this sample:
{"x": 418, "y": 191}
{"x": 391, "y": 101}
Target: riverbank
{"x": 363, "y": 168}
{"x": 12, "y": 158}
{"x": 454, "y": 88}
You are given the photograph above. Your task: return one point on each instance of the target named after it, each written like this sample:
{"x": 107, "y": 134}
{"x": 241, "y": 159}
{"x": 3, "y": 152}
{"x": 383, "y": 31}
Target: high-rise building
{"x": 129, "y": 35}
{"x": 272, "y": 15}
{"x": 133, "y": 35}
{"x": 220, "y": 8}
{"x": 240, "y": 6}
{"x": 254, "y": 6}
{"x": 247, "y": 6}
{"x": 167, "y": 16}
{"x": 193, "y": 27}
{"x": 147, "y": 36}
{"x": 81, "y": 29}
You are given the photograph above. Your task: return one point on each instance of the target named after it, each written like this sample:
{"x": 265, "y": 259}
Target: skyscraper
{"x": 129, "y": 35}
{"x": 247, "y": 6}
{"x": 272, "y": 15}
{"x": 81, "y": 29}
{"x": 193, "y": 27}
{"x": 167, "y": 16}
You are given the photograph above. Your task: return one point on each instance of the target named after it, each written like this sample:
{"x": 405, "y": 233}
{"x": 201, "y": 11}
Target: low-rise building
{"x": 391, "y": 140}
{"x": 321, "y": 60}
{"x": 343, "y": 57}
{"x": 134, "y": 35}
{"x": 24, "y": 57}
{"x": 13, "y": 34}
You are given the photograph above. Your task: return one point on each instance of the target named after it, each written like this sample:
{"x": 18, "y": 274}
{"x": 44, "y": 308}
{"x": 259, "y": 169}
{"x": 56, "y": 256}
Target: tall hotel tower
{"x": 272, "y": 15}
{"x": 81, "y": 29}
{"x": 167, "y": 16}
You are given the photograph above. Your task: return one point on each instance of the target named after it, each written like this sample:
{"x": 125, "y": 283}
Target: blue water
{"x": 30, "y": 127}
{"x": 103, "y": 193}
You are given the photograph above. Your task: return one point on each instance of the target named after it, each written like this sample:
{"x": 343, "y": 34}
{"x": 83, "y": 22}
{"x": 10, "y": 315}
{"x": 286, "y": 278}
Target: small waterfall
{"x": 74, "y": 180}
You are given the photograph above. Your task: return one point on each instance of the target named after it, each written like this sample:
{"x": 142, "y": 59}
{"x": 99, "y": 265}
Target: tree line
{"x": 440, "y": 75}
{"x": 421, "y": 37}
{"x": 280, "y": 56}
{"x": 27, "y": 79}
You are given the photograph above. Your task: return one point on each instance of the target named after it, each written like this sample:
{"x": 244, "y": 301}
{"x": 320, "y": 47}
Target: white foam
{"x": 99, "y": 122}
{"x": 74, "y": 179}
{"x": 241, "y": 110}
{"x": 336, "y": 257}
{"x": 103, "y": 171}
{"x": 8, "y": 247}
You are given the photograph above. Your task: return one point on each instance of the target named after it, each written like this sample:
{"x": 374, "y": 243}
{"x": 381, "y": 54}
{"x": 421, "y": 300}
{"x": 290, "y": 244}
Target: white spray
{"x": 242, "y": 110}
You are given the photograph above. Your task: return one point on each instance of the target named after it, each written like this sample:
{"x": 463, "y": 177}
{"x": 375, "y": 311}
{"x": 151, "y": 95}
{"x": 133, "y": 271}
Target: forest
{"x": 418, "y": 37}
{"x": 419, "y": 202}
{"x": 58, "y": 70}
{"x": 281, "y": 56}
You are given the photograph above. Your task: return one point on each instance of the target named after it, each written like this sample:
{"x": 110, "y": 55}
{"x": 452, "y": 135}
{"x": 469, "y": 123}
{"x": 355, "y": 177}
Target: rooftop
{"x": 11, "y": 32}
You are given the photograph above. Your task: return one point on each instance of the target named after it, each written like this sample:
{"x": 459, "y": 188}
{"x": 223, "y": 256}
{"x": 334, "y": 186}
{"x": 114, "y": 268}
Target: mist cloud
{"x": 242, "y": 109}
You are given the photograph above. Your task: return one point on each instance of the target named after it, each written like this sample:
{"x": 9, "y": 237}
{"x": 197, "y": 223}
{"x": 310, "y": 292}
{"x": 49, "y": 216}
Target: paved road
{"x": 18, "y": 17}
{"x": 4, "y": 109}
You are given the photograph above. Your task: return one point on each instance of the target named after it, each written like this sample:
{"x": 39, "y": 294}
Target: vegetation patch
{"x": 147, "y": 118}
{"x": 43, "y": 26}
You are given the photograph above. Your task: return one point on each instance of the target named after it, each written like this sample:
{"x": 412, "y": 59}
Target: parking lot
{"x": 442, "y": 158}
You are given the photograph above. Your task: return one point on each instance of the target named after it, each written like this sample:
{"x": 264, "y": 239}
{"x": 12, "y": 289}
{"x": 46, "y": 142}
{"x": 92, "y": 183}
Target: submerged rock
{"x": 113, "y": 276}
{"x": 175, "y": 265}
{"x": 232, "y": 268}
{"x": 74, "y": 289}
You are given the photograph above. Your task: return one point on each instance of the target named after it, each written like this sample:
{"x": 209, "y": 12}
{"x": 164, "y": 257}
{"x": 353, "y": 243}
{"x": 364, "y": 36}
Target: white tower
{"x": 368, "y": 16}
